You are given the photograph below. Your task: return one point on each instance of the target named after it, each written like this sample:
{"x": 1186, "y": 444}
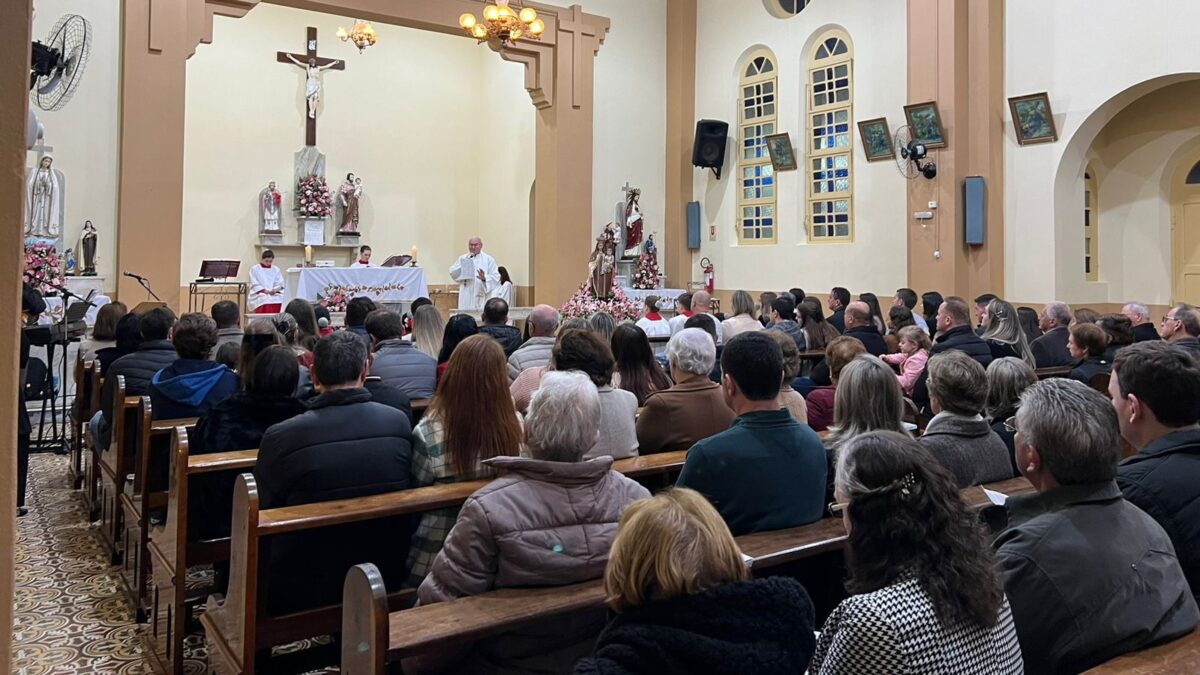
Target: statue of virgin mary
{"x": 44, "y": 200}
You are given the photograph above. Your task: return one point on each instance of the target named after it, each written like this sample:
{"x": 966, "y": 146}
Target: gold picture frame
{"x": 783, "y": 156}
{"x": 1033, "y": 119}
{"x": 926, "y": 123}
{"x": 877, "y": 139}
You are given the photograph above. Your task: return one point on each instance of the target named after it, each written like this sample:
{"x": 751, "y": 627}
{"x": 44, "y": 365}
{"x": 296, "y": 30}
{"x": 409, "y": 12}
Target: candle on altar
{"x": 413, "y": 251}
{"x": 307, "y": 253}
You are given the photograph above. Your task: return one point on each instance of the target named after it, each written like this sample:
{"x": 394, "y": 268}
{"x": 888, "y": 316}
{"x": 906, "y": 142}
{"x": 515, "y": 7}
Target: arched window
{"x": 758, "y": 93}
{"x": 1193, "y": 177}
{"x": 785, "y": 8}
{"x": 830, "y": 142}
{"x": 1091, "y": 217}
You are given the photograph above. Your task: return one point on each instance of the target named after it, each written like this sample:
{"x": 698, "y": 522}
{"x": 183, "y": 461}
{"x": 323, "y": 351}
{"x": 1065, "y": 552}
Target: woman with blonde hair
{"x": 685, "y": 602}
{"x": 1003, "y": 333}
{"x": 743, "y": 316}
{"x": 470, "y": 420}
{"x": 789, "y": 398}
{"x": 428, "y": 326}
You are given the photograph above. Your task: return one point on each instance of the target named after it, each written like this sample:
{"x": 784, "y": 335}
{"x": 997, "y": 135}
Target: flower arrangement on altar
{"x": 42, "y": 264}
{"x": 335, "y": 298}
{"x": 646, "y": 276}
{"x": 315, "y": 200}
{"x": 585, "y": 303}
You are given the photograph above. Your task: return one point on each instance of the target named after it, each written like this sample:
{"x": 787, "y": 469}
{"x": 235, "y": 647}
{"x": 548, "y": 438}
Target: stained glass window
{"x": 758, "y": 93}
{"x": 831, "y": 140}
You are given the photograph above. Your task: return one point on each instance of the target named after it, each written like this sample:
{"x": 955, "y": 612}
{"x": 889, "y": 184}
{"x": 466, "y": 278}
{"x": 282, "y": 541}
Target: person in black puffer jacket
{"x": 238, "y": 423}
{"x": 495, "y": 323}
{"x": 344, "y": 446}
{"x": 153, "y": 354}
{"x": 707, "y": 616}
{"x": 954, "y": 333}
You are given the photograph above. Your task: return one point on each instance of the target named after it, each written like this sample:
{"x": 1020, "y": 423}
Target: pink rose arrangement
{"x": 647, "y": 275}
{"x": 584, "y": 304}
{"x": 334, "y": 298}
{"x": 315, "y": 200}
{"x": 42, "y": 265}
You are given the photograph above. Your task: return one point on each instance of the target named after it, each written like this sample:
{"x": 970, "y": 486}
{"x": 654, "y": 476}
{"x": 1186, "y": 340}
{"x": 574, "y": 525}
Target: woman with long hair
{"x": 930, "y": 302}
{"x": 1007, "y": 379}
{"x": 1028, "y": 318}
{"x": 306, "y": 323}
{"x": 817, "y": 331}
{"x": 428, "y": 328}
{"x": 104, "y": 333}
{"x": 926, "y": 590}
{"x": 504, "y": 290}
{"x": 1120, "y": 333}
{"x": 127, "y": 337}
{"x": 872, "y": 301}
{"x": 458, "y": 328}
{"x": 603, "y": 324}
{"x": 868, "y": 398}
{"x": 789, "y": 398}
{"x": 743, "y": 319}
{"x": 685, "y": 602}
{"x": 638, "y": 370}
{"x": 1003, "y": 333}
{"x": 899, "y": 317}
{"x": 258, "y": 336}
{"x": 470, "y": 419}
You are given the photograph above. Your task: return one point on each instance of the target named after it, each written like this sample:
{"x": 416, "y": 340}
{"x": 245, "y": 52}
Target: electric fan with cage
{"x": 58, "y": 63}
{"x": 910, "y": 154}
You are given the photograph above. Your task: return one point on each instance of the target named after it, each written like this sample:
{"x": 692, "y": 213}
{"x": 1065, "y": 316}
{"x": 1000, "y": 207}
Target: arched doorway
{"x": 1185, "y": 226}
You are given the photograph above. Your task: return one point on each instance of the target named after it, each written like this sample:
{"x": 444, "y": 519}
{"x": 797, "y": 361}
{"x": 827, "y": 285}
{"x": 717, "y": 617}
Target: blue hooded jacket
{"x": 189, "y": 388}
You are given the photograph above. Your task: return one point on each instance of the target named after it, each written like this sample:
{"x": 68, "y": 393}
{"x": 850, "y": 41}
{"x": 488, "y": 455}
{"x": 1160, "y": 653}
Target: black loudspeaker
{"x": 974, "y": 210}
{"x": 693, "y": 225}
{"x": 708, "y": 150}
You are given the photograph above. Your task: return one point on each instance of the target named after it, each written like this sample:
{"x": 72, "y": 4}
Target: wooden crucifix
{"x": 312, "y": 65}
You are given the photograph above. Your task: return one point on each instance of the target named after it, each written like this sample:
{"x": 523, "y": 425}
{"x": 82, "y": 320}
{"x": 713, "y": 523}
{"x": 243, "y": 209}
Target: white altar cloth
{"x": 664, "y": 294}
{"x": 391, "y": 285}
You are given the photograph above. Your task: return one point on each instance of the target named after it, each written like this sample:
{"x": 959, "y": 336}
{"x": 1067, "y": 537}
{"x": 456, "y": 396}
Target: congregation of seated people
{"x": 791, "y": 410}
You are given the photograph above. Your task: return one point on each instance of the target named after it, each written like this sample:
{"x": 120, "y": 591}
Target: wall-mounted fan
{"x": 910, "y": 156}
{"x": 57, "y": 64}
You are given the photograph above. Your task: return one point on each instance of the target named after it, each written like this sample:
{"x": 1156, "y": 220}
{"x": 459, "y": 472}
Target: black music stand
{"x": 219, "y": 269}
{"x": 59, "y": 335}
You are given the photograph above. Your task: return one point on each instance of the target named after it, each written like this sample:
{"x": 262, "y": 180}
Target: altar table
{"x": 387, "y": 285}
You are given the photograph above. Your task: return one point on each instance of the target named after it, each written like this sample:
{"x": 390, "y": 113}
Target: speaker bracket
{"x": 717, "y": 172}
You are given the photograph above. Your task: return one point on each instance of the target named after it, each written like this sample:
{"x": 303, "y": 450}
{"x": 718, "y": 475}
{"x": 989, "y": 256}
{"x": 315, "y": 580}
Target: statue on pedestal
{"x": 602, "y": 265}
{"x": 268, "y": 207}
{"x": 87, "y": 244}
{"x": 349, "y": 195}
{"x": 44, "y": 201}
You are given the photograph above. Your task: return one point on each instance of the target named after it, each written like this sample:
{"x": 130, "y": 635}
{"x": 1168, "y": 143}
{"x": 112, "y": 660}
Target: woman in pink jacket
{"x": 914, "y": 354}
{"x": 549, "y": 520}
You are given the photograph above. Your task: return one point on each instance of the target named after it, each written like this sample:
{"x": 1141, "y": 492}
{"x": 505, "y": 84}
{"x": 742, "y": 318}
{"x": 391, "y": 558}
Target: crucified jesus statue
{"x": 312, "y": 85}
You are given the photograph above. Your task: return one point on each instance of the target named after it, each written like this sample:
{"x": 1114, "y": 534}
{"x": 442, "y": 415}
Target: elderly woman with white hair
{"x": 693, "y": 409}
{"x": 549, "y": 520}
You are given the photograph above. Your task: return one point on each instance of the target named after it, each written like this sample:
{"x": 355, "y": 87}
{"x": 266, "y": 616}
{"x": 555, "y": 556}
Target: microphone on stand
{"x": 131, "y": 275}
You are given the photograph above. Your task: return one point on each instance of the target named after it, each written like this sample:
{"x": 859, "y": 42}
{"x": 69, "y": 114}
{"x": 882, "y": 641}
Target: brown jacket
{"x": 676, "y": 418}
{"x": 540, "y": 524}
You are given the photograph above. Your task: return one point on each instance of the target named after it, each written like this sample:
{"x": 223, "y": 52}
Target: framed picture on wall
{"x": 926, "y": 124}
{"x": 876, "y": 139}
{"x": 1033, "y": 119}
{"x": 779, "y": 146}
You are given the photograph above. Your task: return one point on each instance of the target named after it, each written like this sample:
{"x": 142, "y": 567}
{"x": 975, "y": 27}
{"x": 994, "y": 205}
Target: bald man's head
{"x": 475, "y": 245}
{"x": 543, "y": 320}
{"x": 701, "y": 302}
{"x": 857, "y": 314}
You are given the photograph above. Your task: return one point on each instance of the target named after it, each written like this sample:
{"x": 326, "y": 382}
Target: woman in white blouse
{"x": 504, "y": 290}
{"x": 743, "y": 316}
{"x": 927, "y": 595}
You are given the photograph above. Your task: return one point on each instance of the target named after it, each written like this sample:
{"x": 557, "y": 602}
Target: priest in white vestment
{"x": 364, "y": 258}
{"x": 266, "y": 286}
{"x": 476, "y": 273}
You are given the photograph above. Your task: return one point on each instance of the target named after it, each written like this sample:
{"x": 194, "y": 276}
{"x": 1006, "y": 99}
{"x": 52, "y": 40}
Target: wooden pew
{"x": 171, "y": 552}
{"x": 144, "y": 493}
{"x": 87, "y": 400}
{"x": 1044, "y": 373}
{"x": 372, "y": 637}
{"x": 114, "y": 466}
{"x": 1173, "y": 658}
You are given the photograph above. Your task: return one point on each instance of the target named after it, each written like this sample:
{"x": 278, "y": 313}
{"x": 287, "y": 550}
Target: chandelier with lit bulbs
{"x": 502, "y": 24}
{"x": 362, "y": 34}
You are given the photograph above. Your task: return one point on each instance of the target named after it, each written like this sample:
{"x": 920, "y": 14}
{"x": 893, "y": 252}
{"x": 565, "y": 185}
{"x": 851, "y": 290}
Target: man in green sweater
{"x": 766, "y": 472}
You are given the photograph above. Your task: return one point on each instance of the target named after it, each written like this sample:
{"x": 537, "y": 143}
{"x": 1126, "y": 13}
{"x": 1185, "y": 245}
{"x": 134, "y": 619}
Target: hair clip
{"x": 907, "y": 482}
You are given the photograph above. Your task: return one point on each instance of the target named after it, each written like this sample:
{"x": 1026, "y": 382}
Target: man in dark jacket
{"x": 153, "y": 354}
{"x": 767, "y": 472}
{"x": 345, "y": 446}
{"x": 1181, "y": 327}
{"x": 192, "y": 384}
{"x": 1139, "y": 317}
{"x": 953, "y": 333}
{"x": 839, "y": 298}
{"x": 357, "y": 311}
{"x": 859, "y": 326}
{"x": 783, "y": 318}
{"x": 1155, "y": 390}
{"x": 1089, "y": 575}
{"x": 495, "y": 323}
{"x": 397, "y": 362}
{"x": 1050, "y": 350}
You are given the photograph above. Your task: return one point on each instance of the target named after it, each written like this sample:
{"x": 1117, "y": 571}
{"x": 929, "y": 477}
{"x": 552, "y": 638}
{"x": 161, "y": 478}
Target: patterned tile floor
{"x": 71, "y": 616}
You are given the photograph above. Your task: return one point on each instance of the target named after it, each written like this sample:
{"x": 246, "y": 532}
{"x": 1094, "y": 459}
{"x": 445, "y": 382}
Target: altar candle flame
{"x": 308, "y": 253}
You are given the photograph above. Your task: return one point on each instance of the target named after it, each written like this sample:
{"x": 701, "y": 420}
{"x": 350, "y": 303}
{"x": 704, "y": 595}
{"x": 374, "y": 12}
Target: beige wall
{"x": 414, "y": 117}
{"x": 84, "y": 133}
{"x": 876, "y": 261}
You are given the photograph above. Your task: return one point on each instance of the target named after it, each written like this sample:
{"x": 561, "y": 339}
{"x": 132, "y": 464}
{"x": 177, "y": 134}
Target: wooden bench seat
{"x": 114, "y": 464}
{"x": 367, "y": 626}
{"x": 87, "y": 402}
{"x": 1173, "y": 658}
{"x": 1061, "y": 371}
{"x": 171, "y": 550}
